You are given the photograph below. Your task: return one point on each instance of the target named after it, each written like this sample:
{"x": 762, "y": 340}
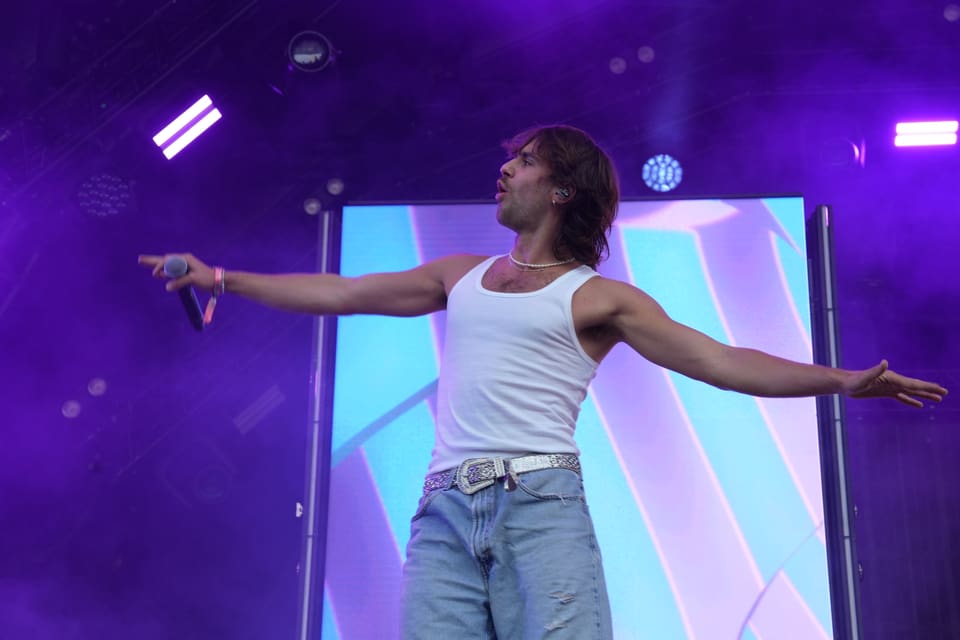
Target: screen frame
{"x": 844, "y": 617}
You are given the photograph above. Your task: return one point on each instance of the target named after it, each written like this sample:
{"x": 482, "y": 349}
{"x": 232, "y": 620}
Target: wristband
{"x": 219, "y": 286}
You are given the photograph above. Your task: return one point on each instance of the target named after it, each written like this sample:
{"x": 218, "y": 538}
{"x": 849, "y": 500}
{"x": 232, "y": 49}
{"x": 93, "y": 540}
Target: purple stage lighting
{"x": 186, "y": 127}
{"x": 924, "y": 134}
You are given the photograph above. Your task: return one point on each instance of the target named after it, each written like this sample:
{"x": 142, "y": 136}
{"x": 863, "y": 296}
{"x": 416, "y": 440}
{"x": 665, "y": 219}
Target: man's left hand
{"x": 881, "y": 382}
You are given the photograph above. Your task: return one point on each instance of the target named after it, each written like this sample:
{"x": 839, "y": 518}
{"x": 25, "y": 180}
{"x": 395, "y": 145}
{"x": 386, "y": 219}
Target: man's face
{"x": 524, "y": 190}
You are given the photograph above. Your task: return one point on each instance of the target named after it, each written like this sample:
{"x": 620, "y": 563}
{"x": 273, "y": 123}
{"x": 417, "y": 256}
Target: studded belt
{"x": 479, "y": 473}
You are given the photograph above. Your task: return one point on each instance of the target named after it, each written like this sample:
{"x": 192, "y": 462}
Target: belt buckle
{"x": 471, "y": 477}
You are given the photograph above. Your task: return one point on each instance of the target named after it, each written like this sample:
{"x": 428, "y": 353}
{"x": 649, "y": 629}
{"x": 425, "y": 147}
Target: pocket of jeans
{"x": 424, "y": 503}
{"x": 552, "y": 484}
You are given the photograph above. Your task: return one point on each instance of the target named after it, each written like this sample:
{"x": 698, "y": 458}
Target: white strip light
{"x": 191, "y": 134}
{"x": 945, "y": 126}
{"x": 180, "y": 133}
{"x": 180, "y": 122}
{"x": 924, "y": 134}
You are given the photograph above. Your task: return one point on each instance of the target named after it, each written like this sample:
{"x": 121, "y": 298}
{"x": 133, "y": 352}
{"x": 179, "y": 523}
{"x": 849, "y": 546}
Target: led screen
{"x": 707, "y": 504}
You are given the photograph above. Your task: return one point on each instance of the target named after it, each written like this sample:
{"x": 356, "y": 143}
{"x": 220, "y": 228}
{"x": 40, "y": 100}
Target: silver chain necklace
{"x": 543, "y": 265}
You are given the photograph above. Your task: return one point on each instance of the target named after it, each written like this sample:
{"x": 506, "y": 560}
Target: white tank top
{"x": 513, "y": 374}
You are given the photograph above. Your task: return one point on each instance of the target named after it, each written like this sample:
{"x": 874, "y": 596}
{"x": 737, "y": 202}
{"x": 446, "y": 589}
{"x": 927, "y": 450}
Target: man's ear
{"x": 564, "y": 194}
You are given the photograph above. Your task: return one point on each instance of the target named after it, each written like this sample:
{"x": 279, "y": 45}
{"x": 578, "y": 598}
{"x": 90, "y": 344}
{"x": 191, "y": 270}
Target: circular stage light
{"x": 310, "y": 51}
{"x": 97, "y": 387}
{"x": 662, "y": 173}
{"x": 312, "y": 206}
{"x": 70, "y": 409}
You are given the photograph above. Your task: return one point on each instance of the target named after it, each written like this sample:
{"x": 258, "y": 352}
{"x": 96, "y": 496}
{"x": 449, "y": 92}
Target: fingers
{"x": 915, "y": 391}
{"x": 905, "y": 399}
{"x": 930, "y": 392}
{"x": 156, "y": 263}
{"x": 152, "y": 262}
{"x": 917, "y": 387}
{"x": 178, "y": 283}
{"x": 927, "y": 390}
{"x": 933, "y": 389}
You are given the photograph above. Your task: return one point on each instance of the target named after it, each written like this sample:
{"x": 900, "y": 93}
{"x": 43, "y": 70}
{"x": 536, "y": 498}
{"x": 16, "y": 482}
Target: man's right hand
{"x": 198, "y": 274}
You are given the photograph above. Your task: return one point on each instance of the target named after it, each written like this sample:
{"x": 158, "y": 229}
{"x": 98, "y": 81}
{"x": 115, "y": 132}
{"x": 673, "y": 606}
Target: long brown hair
{"x": 576, "y": 162}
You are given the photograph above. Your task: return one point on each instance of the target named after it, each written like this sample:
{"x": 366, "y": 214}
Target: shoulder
{"x": 605, "y": 291}
{"x": 450, "y": 269}
{"x": 602, "y": 301}
{"x": 455, "y": 263}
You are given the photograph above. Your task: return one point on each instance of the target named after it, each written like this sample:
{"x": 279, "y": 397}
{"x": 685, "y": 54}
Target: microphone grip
{"x": 192, "y": 306}
{"x": 175, "y": 267}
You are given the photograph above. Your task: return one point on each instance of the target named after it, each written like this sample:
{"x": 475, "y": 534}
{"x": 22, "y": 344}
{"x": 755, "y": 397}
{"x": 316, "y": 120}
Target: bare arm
{"x": 640, "y": 322}
{"x": 406, "y": 293}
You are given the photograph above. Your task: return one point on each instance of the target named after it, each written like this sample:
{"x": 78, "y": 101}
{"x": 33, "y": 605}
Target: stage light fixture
{"x": 200, "y": 116}
{"x": 646, "y": 54}
{"x": 70, "y": 409}
{"x": 841, "y": 151}
{"x": 104, "y": 195}
{"x": 97, "y": 387}
{"x": 310, "y": 51}
{"x": 662, "y": 173}
{"x": 312, "y": 206}
{"x": 926, "y": 134}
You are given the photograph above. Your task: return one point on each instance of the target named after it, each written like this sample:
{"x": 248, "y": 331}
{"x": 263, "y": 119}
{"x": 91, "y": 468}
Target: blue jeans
{"x": 505, "y": 565}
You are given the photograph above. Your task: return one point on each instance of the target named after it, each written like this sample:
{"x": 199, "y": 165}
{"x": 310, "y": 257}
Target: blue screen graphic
{"x": 707, "y": 504}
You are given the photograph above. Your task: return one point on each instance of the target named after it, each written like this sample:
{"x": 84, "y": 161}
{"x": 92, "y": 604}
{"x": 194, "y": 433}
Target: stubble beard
{"x": 507, "y": 216}
{"x": 514, "y": 217}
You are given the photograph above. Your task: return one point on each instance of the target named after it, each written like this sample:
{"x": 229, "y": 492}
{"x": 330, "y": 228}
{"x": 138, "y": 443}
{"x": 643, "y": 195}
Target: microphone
{"x": 175, "y": 267}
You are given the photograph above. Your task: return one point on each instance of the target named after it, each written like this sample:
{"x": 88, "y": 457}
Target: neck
{"x": 533, "y": 266}
{"x": 536, "y": 246}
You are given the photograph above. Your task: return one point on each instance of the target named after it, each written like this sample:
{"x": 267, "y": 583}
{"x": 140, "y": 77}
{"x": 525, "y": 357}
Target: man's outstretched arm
{"x": 405, "y": 293}
{"x": 640, "y": 322}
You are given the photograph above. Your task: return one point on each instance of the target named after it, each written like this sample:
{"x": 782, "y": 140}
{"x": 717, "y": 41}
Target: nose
{"x": 506, "y": 167}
